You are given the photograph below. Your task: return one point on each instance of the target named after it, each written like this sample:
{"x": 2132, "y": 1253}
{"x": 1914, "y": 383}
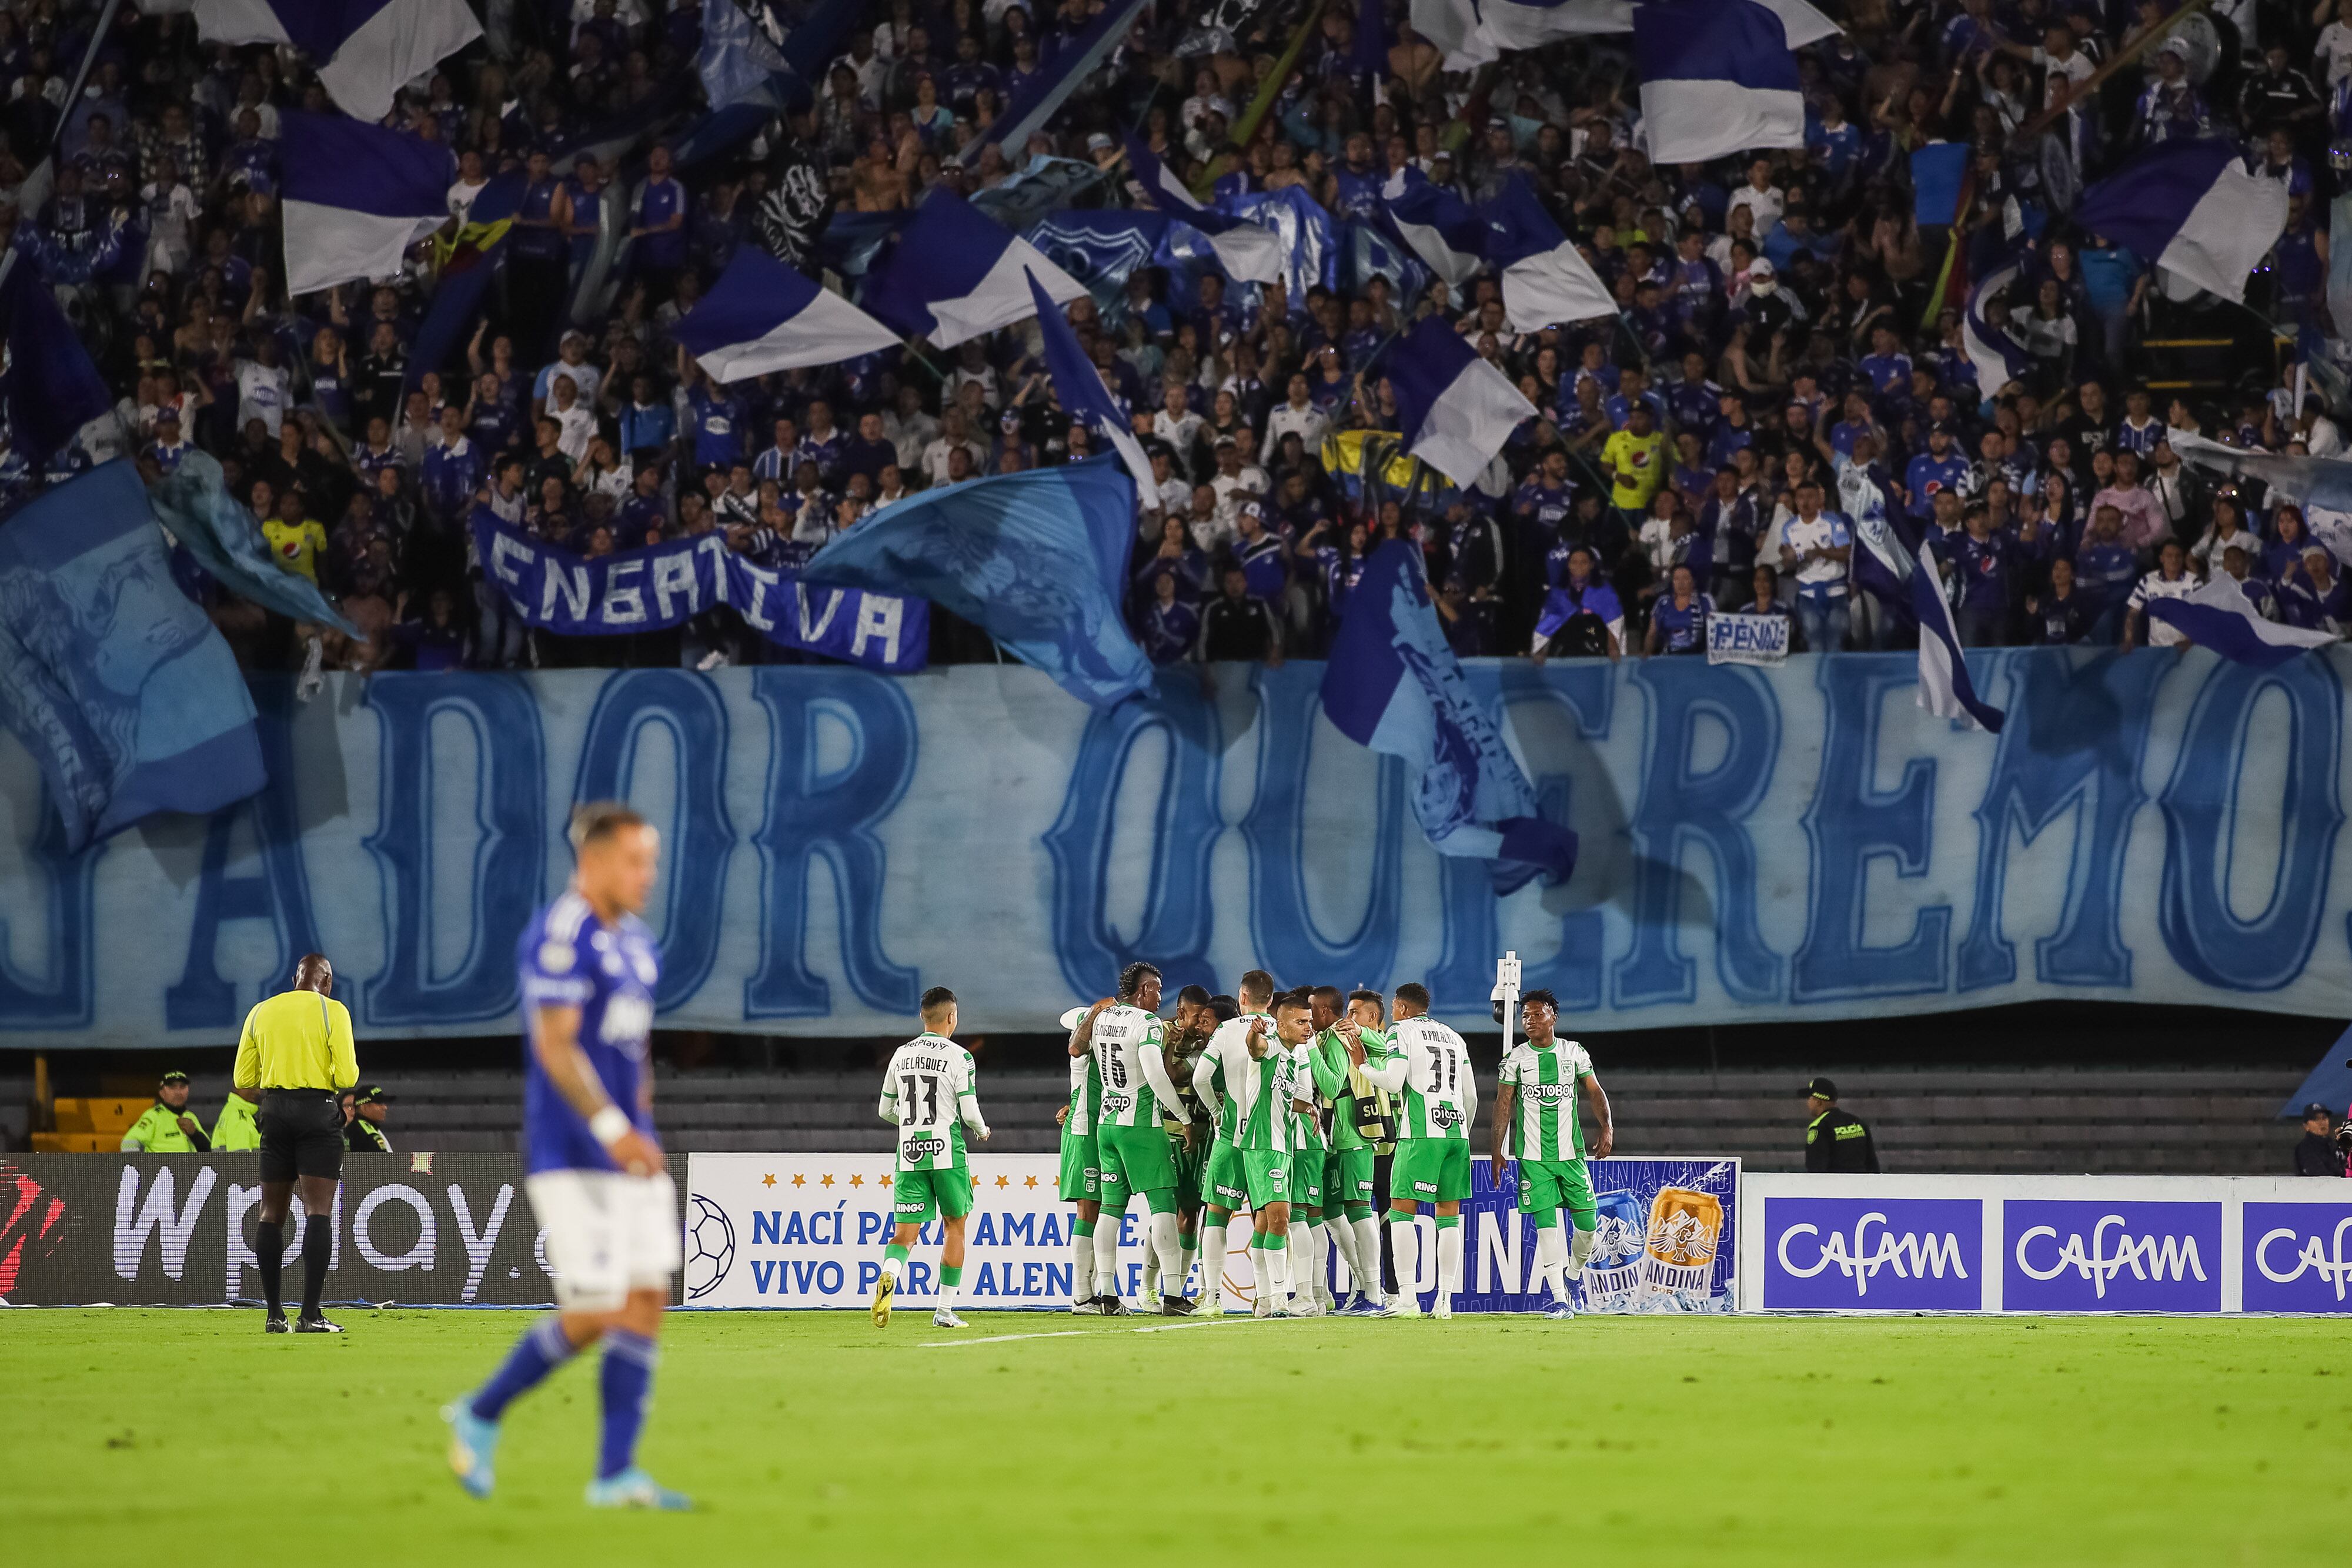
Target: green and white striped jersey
{"x": 1430, "y": 1065}
{"x": 1255, "y": 1116}
{"x": 929, "y": 1093}
{"x": 1129, "y": 1047}
{"x": 1545, "y": 1078}
{"x": 1086, "y": 1097}
{"x": 1311, "y": 1081}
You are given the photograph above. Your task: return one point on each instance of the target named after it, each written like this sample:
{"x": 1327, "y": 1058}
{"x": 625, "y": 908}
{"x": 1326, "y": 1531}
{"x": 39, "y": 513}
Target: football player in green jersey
{"x": 1128, "y": 1040}
{"x": 1314, "y": 1081}
{"x": 1239, "y": 1072}
{"x": 1188, "y": 1036}
{"x": 1081, "y": 1177}
{"x": 928, "y": 1095}
{"x": 1347, "y": 1215}
{"x": 1428, "y": 1063}
{"x": 1535, "y": 1115}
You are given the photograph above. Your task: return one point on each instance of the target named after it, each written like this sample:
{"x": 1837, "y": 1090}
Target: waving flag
{"x": 2218, "y": 616}
{"x": 1888, "y": 558}
{"x": 1546, "y": 280}
{"x": 1999, "y": 358}
{"x": 1248, "y": 253}
{"x": 2194, "y": 208}
{"x": 1438, "y": 224}
{"x": 1034, "y": 104}
{"x": 2322, "y": 486}
{"x": 1717, "y": 78}
{"x": 761, "y": 316}
{"x": 194, "y": 502}
{"x": 366, "y": 50}
{"x": 1393, "y": 685}
{"x": 956, "y": 275}
{"x": 1482, "y": 32}
{"x": 356, "y": 197}
{"x": 1456, "y": 409}
{"x": 1309, "y": 239}
{"x": 470, "y": 258}
{"x": 1080, "y": 388}
{"x": 1037, "y": 560}
{"x": 114, "y": 680}
{"x": 1945, "y": 688}
{"x": 49, "y": 388}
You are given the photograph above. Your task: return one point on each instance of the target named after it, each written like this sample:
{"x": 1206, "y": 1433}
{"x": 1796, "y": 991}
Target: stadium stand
{"x": 2216, "y": 1121}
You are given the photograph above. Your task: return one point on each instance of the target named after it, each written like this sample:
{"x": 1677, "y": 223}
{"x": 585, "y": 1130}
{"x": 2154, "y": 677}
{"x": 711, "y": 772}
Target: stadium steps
{"x": 2022, "y": 1121}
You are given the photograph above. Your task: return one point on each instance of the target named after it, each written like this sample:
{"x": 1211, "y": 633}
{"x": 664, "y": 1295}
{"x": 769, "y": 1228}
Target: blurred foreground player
{"x": 596, "y": 1178}
{"x": 296, "y": 1050}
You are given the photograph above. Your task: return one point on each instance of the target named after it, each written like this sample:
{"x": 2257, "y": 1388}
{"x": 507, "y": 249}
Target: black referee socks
{"x": 318, "y": 1247}
{"x": 269, "y": 1254}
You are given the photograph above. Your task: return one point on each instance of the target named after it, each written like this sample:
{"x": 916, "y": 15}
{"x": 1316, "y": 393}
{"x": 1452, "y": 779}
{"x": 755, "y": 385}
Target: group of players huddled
{"x": 1275, "y": 1104}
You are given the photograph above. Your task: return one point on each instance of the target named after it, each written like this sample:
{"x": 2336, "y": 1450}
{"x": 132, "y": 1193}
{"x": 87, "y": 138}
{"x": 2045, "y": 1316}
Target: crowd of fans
{"x": 1782, "y": 317}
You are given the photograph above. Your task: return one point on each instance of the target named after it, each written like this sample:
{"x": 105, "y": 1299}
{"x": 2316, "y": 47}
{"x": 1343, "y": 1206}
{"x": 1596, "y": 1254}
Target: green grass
{"x": 188, "y": 1438}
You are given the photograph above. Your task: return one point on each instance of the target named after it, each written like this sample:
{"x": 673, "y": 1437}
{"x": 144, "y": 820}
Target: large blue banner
{"x": 1792, "y": 843}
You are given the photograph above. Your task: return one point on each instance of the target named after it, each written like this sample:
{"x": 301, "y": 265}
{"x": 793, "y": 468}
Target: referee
{"x": 297, "y": 1051}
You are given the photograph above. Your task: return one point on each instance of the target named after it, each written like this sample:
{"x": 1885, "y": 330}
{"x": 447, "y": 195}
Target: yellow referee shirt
{"x": 298, "y": 1039}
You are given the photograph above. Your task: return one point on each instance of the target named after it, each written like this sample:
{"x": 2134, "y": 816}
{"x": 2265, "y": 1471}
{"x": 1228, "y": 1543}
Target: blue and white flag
{"x": 114, "y": 680}
{"x": 761, "y": 316}
{"x": 1102, "y": 248}
{"x": 1945, "y": 688}
{"x": 1999, "y": 358}
{"x": 1083, "y": 396}
{"x": 1717, "y": 78}
{"x": 954, "y": 275}
{"x": 1457, "y": 410}
{"x": 366, "y": 50}
{"x": 1546, "y": 280}
{"x": 1372, "y": 252}
{"x": 659, "y": 586}
{"x": 2322, "y": 486}
{"x": 737, "y": 63}
{"x": 1037, "y": 560}
{"x": 1310, "y": 239}
{"x": 1471, "y": 34}
{"x": 1034, "y": 104}
{"x": 2192, "y": 206}
{"x": 1248, "y": 252}
{"x": 49, "y": 387}
{"x": 1438, "y": 224}
{"x": 356, "y": 197}
{"x": 193, "y": 503}
{"x": 2219, "y": 615}
{"x": 1394, "y": 686}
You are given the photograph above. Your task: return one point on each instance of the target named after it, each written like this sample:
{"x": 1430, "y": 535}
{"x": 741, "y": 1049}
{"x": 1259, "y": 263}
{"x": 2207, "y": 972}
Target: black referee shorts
{"x": 302, "y": 1134}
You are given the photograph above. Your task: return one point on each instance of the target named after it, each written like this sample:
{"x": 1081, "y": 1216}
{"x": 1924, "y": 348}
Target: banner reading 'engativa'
{"x": 1792, "y": 842}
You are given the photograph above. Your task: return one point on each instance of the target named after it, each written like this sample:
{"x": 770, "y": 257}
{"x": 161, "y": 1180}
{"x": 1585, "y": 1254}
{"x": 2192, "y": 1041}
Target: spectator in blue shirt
{"x": 1678, "y": 620}
{"x": 2063, "y": 615}
{"x": 648, "y": 425}
{"x": 657, "y": 227}
{"x": 717, "y": 419}
{"x": 2106, "y": 569}
{"x": 1937, "y": 469}
{"x": 1982, "y": 561}
{"x": 453, "y": 469}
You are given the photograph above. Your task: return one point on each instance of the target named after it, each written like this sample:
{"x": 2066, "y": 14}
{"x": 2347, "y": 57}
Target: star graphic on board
{"x": 767, "y": 1180}
{"x": 884, "y": 1178}
{"x": 828, "y": 1178}
{"x": 1029, "y": 1181}
{"x": 1004, "y": 1181}
{"x": 857, "y": 1181}
{"x": 798, "y": 1179}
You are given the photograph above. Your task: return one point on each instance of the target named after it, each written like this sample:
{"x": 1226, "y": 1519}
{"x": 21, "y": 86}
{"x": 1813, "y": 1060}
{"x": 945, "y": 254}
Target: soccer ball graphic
{"x": 709, "y": 1246}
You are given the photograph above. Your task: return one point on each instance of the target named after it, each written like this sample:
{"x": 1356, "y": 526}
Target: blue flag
{"x": 1037, "y": 560}
{"x": 194, "y": 502}
{"x": 1079, "y": 386}
{"x": 127, "y": 698}
{"x": 1393, "y": 684}
{"x": 473, "y": 261}
{"x": 1034, "y": 103}
{"x": 51, "y": 389}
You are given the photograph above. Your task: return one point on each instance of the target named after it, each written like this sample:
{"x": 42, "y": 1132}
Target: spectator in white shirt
{"x": 954, "y": 436}
{"x": 911, "y": 429}
{"x": 1180, "y": 428}
{"x": 1235, "y": 482}
{"x": 1760, "y": 195}
{"x": 2170, "y": 580}
{"x": 1301, "y": 415}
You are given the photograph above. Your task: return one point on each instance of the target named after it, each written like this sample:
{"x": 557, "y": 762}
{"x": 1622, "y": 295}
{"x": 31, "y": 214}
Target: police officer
{"x": 363, "y": 1134}
{"x": 165, "y": 1127}
{"x": 235, "y": 1129}
{"x": 2315, "y": 1154}
{"x": 1836, "y": 1140}
{"x": 296, "y": 1051}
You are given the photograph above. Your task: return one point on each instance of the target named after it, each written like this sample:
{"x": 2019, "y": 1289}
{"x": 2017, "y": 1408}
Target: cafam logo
{"x": 2148, "y": 1257}
{"x": 2287, "y": 1254}
{"x": 1804, "y": 1252}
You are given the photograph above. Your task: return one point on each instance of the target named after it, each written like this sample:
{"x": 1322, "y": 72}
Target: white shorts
{"x": 607, "y": 1234}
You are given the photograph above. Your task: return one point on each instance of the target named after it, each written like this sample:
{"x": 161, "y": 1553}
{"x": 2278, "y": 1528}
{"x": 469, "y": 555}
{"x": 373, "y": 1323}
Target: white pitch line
{"x": 1085, "y": 1333}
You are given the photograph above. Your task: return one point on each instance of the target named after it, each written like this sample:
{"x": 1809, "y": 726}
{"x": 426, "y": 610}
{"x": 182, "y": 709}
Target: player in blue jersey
{"x": 595, "y": 1174}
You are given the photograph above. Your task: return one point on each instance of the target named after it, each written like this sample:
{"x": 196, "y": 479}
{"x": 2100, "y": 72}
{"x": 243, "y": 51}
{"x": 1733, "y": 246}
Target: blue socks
{"x": 628, "y": 1377}
{"x": 540, "y": 1351}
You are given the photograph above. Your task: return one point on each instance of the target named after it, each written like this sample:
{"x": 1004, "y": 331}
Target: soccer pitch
{"x": 814, "y": 1437}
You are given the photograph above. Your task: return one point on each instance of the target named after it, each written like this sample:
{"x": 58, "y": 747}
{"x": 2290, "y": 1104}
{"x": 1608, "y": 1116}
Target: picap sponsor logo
{"x": 1116, "y": 1105}
{"x": 1446, "y": 1116}
{"x": 2298, "y": 1257}
{"x": 2112, "y": 1257}
{"x": 1893, "y": 1254}
{"x": 926, "y": 1148}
